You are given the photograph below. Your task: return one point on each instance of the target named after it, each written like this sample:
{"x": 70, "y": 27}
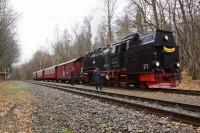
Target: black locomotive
{"x": 143, "y": 58}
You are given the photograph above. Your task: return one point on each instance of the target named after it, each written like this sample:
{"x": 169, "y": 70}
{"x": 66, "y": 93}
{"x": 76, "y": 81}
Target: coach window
{"x": 118, "y": 49}
{"x": 113, "y": 49}
{"x": 127, "y": 44}
{"x": 147, "y": 39}
{"x": 106, "y": 50}
{"x": 64, "y": 68}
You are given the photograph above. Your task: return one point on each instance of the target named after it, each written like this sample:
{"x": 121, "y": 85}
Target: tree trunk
{"x": 155, "y": 13}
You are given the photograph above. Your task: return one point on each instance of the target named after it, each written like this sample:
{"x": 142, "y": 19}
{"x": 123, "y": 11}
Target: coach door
{"x": 56, "y": 72}
{"x": 64, "y": 71}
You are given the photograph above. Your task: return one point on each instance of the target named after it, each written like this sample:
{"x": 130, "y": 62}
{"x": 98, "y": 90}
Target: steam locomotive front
{"x": 166, "y": 55}
{"x": 154, "y": 59}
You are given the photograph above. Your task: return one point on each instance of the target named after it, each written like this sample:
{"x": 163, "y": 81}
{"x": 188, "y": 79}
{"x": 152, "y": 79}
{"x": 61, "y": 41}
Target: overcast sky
{"x": 39, "y": 18}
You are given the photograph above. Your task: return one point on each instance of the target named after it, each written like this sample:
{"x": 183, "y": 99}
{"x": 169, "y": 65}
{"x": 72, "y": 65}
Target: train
{"x": 148, "y": 59}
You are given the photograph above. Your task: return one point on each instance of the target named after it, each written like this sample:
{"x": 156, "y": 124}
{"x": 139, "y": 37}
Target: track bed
{"x": 172, "y": 97}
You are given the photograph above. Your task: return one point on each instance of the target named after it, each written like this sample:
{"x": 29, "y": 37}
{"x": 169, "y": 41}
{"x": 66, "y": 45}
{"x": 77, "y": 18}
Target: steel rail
{"x": 195, "y": 108}
{"x": 192, "y": 119}
{"x": 177, "y": 91}
{"x": 166, "y": 90}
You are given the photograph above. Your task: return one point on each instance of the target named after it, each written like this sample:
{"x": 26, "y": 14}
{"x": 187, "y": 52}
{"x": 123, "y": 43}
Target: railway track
{"x": 178, "y": 111}
{"x": 177, "y": 91}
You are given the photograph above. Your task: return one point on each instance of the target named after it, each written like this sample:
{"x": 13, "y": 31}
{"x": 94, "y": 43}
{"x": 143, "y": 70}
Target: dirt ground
{"x": 14, "y": 106}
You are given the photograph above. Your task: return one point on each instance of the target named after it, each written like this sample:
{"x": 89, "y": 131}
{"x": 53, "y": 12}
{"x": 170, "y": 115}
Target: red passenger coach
{"x": 50, "y": 73}
{"x": 40, "y": 75}
{"x": 64, "y": 70}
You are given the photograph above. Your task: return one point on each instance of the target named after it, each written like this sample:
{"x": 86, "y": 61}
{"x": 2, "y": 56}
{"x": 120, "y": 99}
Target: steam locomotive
{"x": 141, "y": 59}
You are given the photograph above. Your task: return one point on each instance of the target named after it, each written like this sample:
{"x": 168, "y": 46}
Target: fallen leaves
{"x": 188, "y": 83}
{"x": 14, "y": 107}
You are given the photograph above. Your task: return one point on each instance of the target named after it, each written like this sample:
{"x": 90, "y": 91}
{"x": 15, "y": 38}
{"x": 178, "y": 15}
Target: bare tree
{"x": 83, "y": 36}
{"x": 123, "y": 26}
{"x": 141, "y": 13}
{"x": 155, "y": 13}
{"x": 8, "y": 44}
{"x": 100, "y": 39}
{"x": 62, "y": 47}
{"x": 41, "y": 60}
{"x": 87, "y": 30}
{"x": 109, "y": 6}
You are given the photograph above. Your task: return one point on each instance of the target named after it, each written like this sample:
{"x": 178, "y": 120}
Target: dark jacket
{"x": 97, "y": 76}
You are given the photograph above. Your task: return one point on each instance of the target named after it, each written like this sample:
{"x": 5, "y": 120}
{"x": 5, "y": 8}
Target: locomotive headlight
{"x": 157, "y": 63}
{"x": 178, "y": 64}
{"x": 166, "y": 37}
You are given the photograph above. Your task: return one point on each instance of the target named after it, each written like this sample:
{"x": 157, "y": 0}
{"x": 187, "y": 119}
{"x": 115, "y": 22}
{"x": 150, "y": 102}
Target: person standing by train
{"x": 97, "y": 78}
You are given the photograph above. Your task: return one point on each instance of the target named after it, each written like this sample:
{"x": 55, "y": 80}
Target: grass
{"x": 12, "y": 91}
{"x": 66, "y": 131}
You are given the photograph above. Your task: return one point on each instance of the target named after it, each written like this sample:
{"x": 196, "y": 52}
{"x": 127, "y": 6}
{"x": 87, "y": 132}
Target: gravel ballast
{"x": 58, "y": 111}
{"x": 181, "y": 98}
